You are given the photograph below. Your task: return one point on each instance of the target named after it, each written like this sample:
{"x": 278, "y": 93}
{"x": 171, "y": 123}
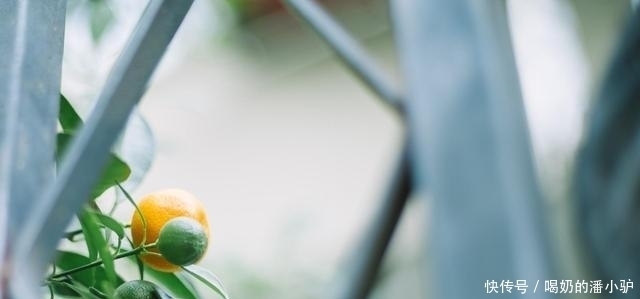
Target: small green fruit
{"x": 138, "y": 289}
{"x": 182, "y": 241}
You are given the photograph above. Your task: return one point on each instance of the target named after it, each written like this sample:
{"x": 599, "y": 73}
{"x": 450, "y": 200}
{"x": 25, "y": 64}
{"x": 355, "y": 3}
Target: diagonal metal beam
{"x": 367, "y": 257}
{"x": 467, "y": 124}
{"x": 88, "y": 153}
{"x": 368, "y": 254}
{"x": 31, "y": 43}
{"x": 353, "y": 55}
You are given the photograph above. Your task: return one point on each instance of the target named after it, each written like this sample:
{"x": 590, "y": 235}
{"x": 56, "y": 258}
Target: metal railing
{"x": 458, "y": 66}
{"x": 51, "y": 209}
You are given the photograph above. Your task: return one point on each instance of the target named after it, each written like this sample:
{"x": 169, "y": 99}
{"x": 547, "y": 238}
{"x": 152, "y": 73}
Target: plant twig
{"x": 70, "y": 235}
{"x": 100, "y": 261}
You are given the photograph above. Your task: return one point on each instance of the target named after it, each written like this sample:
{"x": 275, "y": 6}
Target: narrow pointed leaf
{"x": 208, "y": 278}
{"x": 176, "y": 286}
{"x": 96, "y": 242}
{"x": 111, "y": 224}
{"x": 68, "y": 117}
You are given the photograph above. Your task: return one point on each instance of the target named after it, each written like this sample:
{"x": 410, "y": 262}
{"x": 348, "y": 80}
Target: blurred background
{"x": 252, "y": 113}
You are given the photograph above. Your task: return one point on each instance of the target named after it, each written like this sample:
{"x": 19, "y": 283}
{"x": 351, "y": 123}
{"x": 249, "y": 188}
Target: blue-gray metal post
{"x": 607, "y": 168}
{"x": 31, "y": 43}
{"x": 469, "y": 135}
{"x": 89, "y": 151}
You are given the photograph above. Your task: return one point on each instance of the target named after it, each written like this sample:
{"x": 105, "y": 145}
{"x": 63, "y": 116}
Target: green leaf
{"x": 111, "y": 224}
{"x": 68, "y": 117}
{"x": 98, "y": 293}
{"x": 136, "y": 146}
{"x": 208, "y": 278}
{"x": 69, "y": 260}
{"x": 62, "y": 289}
{"x": 115, "y": 171}
{"x": 96, "y": 243}
{"x": 101, "y": 17}
{"x": 63, "y": 141}
{"x": 92, "y": 247}
{"x": 176, "y": 286}
{"x": 76, "y": 289}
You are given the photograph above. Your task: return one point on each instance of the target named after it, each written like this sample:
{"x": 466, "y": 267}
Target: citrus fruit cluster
{"x": 176, "y": 221}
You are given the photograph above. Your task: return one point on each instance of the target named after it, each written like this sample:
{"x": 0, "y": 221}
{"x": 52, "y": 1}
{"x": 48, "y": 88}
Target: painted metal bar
{"x": 607, "y": 168}
{"x": 367, "y": 256}
{"x": 31, "y": 43}
{"x": 360, "y": 275}
{"x": 89, "y": 151}
{"x": 354, "y": 56}
{"x": 467, "y": 124}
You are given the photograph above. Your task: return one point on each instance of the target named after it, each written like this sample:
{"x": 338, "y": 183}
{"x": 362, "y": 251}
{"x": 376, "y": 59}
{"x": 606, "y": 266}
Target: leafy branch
{"x": 100, "y": 261}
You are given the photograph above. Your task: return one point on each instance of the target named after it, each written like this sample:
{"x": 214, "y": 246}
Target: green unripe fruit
{"x": 139, "y": 289}
{"x": 182, "y": 241}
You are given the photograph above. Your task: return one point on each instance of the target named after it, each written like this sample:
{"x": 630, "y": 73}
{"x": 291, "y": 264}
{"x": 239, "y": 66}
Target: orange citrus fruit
{"x": 158, "y": 208}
